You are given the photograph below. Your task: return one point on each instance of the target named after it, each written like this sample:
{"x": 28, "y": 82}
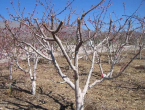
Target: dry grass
{"x": 126, "y": 92}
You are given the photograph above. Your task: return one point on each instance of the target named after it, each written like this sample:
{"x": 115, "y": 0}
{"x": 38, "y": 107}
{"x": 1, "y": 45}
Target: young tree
{"x": 32, "y": 60}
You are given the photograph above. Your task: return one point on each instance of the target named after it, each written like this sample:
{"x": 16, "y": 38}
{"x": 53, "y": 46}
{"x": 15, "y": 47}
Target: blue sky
{"x": 80, "y": 5}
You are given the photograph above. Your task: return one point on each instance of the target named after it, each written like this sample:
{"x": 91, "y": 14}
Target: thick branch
{"x": 90, "y": 73}
{"x": 63, "y": 51}
{"x": 58, "y": 28}
{"x": 64, "y": 77}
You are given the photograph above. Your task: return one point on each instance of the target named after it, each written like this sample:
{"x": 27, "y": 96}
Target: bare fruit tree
{"x": 46, "y": 34}
{"x": 32, "y": 59}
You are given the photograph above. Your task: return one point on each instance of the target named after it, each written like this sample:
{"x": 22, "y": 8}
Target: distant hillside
{"x": 65, "y": 32}
{"x": 12, "y": 24}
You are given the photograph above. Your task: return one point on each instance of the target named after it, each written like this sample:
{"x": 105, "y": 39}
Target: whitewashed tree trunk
{"x": 140, "y": 55}
{"x": 33, "y": 87}
{"x": 11, "y": 70}
{"x": 135, "y": 46}
{"x": 80, "y": 102}
{"x": 35, "y": 61}
{"x": 32, "y": 73}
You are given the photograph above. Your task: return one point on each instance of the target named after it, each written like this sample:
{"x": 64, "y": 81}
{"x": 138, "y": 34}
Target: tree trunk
{"x": 80, "y": 102}
{"x": 33, "y": 87}
{"x": 78, "y": 96}
{"x": 135, "y": 48}
{"x": 140, "y": 55}
{"x": 144, "y": 62}
{"x": 11, "y": 70}
{"x": 35, "y": 61}
{"x": 127, "y": 40}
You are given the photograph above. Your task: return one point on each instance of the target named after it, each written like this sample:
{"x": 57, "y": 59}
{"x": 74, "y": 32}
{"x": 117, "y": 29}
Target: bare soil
{"x": 126, "y": 92}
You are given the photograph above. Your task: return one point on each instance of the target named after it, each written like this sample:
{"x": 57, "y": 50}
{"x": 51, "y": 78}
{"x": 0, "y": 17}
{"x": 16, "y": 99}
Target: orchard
{"x": 72, "y": 59}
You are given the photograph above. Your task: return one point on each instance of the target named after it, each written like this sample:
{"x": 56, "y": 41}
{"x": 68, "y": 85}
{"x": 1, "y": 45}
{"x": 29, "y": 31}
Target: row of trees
{"x": 36, "y": 38}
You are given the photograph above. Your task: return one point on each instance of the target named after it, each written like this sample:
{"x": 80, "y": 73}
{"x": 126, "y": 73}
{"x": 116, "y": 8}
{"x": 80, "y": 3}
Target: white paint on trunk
{"x": 11, "y": 77}
{"x": 80, "y": 101}
{"x": 33, "y": 87}
{"x": 11, "y": 70}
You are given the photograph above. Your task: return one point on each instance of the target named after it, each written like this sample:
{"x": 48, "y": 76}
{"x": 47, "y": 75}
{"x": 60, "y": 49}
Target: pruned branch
{"x": 58, "y": 28}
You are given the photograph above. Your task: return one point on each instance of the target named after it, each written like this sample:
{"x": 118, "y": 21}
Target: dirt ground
{"x": 126, "y": 92}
